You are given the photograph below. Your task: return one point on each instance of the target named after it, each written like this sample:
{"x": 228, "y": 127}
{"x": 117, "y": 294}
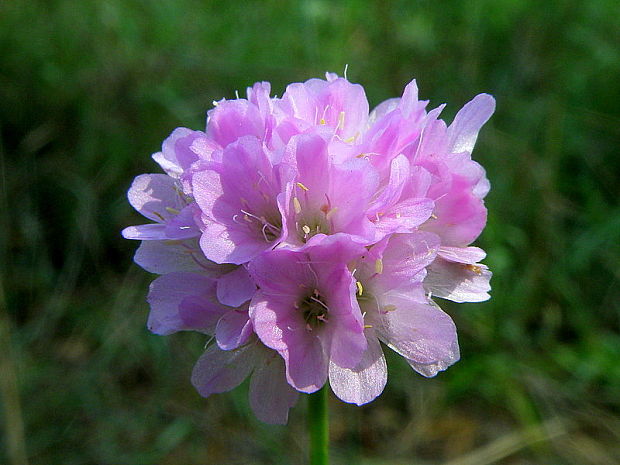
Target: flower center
{"x": 310, "y": 221}
{"x": 314, "y": 310}
{"x": 269, "y": 229}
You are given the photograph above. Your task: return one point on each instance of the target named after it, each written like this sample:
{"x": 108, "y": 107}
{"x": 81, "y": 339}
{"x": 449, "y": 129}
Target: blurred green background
{"x": 89, "y": 89}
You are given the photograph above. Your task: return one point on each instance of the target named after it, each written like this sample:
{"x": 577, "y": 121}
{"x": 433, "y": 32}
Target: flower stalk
{"x": 318, "y": 427}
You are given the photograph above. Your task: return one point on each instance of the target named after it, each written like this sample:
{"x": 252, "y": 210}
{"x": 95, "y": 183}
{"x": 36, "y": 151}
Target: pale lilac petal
{"x": 233, "y": 329}
{"x": 419, "y": 332}
{"x": 433, "y": 137}
{"x": 467, "y": 255}
{"x": 145, "y": 232}
{"x": 366, "y": 381}
{"x": 271, "y": 396}
{"x": 171, "y": 167}
{"x": 409, "y": 103}
{"x": 431, "y": 369}
{"x": 391, "y": 193}
{"x": 403, "y": 217}
{"x": 385, "y": 107}
{"x": 154, "y": 195}
{"x": 224, "y": 245}
{"x": 282, "y": 330}
{"x": 459, "y": 218}
{"x": 231, "y": 120}
{"x": 306, "y": 365}
{"x": 167, "y": 158}
{"x": 183, "y": 225}
{"x": 458, "y": 282}
{"x": 163, "y": 257}
{"x": 463, "y": 131}
{"x": 235, "y": 288}
{"x": 181, "y": 149}
{"x": 345, "y": 338}
{"x": 183, "y": 301}
{"x": 222, "y": 370}
{"x": 404, "y": 257}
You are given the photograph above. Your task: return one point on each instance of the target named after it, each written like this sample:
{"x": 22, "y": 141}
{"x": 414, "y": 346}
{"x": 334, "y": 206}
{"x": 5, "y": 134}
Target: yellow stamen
{"x": 296, "y": 205}
{"x": 360, "y": 288}
{"x": 433, "y": 216}
{"x": 173, "y": 211}
{"x": 367, "y": 326}
{"x": 322, "y": 121}
{"x": 306, "y": 229}
{"x": 340, "y": 120}
{"x": 475, "y": 269}
{"x": 301, "y": 186}
{"x": 378, "y": 266}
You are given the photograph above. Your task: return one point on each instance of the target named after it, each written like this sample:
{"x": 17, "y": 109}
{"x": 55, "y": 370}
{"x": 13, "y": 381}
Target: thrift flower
{"x": 303, "y": 234}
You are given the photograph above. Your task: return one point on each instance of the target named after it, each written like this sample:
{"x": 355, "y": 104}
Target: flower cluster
{"x": 301, "y": 232}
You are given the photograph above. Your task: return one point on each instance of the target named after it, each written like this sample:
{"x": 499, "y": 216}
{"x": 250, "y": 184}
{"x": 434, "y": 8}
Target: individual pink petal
{"x": 222, "y": 370}
{"x": 384, "y": 108}
{"x": 409, "y": 103}
{"x": 271, "y": 396}
{"x": 344, "y": 335}
{"x": 167, "y": 158}
{"x": 402, "y": 258}
{"x": 366, "y": 381}
{"x": 172, "y": 309}
{"x": 459, "y": 217}
{"x": 233, "y": 329}
{"x": 183, "y": 225}
{"x": 235, "y": 288}
{"x": 154, "y": 195}
{"x": 463, "y": 131}
{"x": 433, "y": 137}
{"x": 224, "y": 245}
{"x": 145, "y": 232}
{"x": 391, "y": 193}
{"x": 419, "y": 332}
{"x": 281, "y": 329}
{"x": 306, "y": 364}
{"x": 458, "y": 282}
{"x": 231, "y": 120}
{"x": 462, "y": 254}
{"x": 163, "y": 257}
{"x": 431, "y": 369}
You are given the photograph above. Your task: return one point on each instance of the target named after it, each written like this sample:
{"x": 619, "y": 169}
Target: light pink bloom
{"x": 160, "y": 198}
{"x": 306, "y": 308}
{"x": 398, "y": 313}
{"x": 242, "y": 200}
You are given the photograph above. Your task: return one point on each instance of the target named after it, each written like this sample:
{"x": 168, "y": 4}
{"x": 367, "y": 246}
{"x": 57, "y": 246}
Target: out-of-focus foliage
{"x": 88, "y": 90}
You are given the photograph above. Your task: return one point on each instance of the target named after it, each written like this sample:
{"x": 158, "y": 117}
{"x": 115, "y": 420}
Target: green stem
{"x": 318, "y": 425}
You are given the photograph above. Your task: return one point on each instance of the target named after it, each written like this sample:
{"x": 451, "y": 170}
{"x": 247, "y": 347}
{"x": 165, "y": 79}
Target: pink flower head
{"x": 301, "y": 233}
